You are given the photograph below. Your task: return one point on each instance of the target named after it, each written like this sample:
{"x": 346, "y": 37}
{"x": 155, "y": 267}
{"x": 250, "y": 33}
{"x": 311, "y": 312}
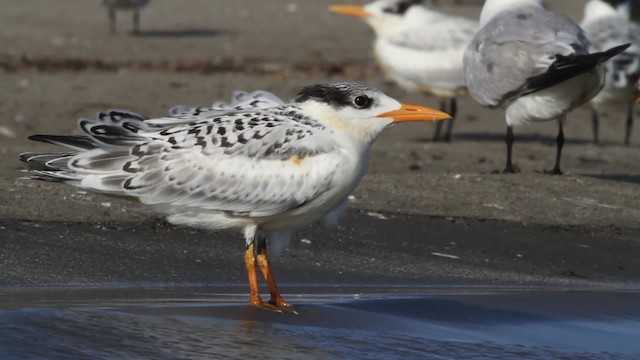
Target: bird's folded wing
{"x": 516, "y": 47}
{"x": 240, "y": 101}
{"x": 440, "y": 33}
{"x": 236, "y": 166}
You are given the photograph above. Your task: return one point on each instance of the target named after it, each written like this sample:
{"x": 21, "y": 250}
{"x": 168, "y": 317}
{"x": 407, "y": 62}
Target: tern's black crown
{"x": 338, "y": 95}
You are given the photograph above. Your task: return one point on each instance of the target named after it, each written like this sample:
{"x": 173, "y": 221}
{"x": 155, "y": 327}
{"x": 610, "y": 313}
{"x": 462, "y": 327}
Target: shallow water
{"x": 197, "y": 323}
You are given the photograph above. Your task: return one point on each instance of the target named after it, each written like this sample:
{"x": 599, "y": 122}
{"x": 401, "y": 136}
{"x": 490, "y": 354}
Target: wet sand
{"x": 428, "y": 215}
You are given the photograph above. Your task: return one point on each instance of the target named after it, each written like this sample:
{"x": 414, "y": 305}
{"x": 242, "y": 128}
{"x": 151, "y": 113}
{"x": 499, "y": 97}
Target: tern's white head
{"x": 492, "y": 8}
{"x": 360, "y": 110}
{"x": 385, "y": 16}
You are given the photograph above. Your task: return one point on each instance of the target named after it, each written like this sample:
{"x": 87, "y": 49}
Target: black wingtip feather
{"x": 606, "y": 55}
{"x": 68, "y": 141}
{"x": 568, "y": 67}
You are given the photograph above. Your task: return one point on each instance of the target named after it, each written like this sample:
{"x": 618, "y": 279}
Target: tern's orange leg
{"x": 250, "y": 264}
{"x": 276, "y": 297}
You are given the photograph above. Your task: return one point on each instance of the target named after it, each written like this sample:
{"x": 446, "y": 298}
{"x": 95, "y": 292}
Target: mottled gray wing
{"x": 240, "y": 101}
{"x": 248, "y": 164}
{"x": 515, "y": 47}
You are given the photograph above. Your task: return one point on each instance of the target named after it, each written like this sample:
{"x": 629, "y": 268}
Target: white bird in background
{"x": 533, "y": 63}
{"x": 418, "y": 48}
{"x": 263, "y": 170}
{"x": 632, "y": 8}
{"x": 607, "y": 26}
{"x": 134, "y": 5}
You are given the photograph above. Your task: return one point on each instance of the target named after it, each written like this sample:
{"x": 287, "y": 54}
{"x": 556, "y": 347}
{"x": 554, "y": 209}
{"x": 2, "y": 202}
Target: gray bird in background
{"x": 533, "y": 63}
{"x": 633, "y": 7}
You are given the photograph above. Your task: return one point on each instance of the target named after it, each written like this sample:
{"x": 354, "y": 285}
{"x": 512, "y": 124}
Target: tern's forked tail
{"x": 103, "y": 148}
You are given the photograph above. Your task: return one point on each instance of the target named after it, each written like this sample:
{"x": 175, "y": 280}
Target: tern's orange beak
{"x": 350, "y": 10}
{"x": 410, "y": 112}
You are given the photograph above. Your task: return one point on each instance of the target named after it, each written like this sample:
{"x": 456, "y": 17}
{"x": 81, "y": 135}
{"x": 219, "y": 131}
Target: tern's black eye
{"x": 362, "y": 101}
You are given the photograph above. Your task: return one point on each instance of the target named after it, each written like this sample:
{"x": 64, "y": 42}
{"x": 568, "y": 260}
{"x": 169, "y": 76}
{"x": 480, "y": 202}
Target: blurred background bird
{"x": 533, "y": 63}
{"x": 134, "y": 5}
{"x": 418, "y": 48}
{"x": 633, "y": 7}
{"x": 606, "y": 27}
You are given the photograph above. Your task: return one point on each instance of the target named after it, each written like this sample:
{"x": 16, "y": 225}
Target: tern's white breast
{"x": 352, "y": 167}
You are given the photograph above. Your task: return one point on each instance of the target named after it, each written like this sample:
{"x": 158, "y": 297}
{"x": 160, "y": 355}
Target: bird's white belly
{"x": 555, "y": 102}
{"x": 436, "y": 72}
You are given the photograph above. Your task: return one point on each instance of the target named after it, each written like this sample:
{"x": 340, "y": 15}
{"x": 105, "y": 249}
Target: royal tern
{"x": 607, "y": 26}
{"x": 114, "y": 5}
{"x": 263, "y": 170}
{"x": 418, "y": 48}
{"x": 533, "y": 63}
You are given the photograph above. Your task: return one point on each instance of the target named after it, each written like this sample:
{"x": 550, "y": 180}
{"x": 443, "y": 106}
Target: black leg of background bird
{"x": 112, "y": 19}
{"x": 453, "y": 110}
{"x": 508, "y": 169}
{"x": 560, "y": 143}
{"x": 136, "y": 21}
{"x": 629, "y": 126}
{"x": 595, "y": 125}
{"x": 276, "y": 303}
{"x": 438, "y": 131}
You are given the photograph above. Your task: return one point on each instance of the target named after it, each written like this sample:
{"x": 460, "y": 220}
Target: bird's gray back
{"x": 515, "y": 46}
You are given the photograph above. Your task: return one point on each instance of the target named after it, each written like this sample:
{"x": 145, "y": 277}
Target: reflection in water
{"x": 520, "y": 325}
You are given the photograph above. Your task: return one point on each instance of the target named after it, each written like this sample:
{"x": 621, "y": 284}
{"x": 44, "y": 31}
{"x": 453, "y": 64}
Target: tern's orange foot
{"x": 282, "y": 307}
